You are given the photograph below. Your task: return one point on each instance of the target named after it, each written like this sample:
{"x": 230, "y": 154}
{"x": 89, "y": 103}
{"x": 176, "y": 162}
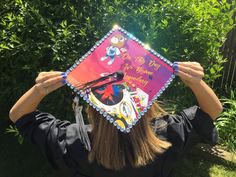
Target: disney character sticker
{"x": 117, "y": 42}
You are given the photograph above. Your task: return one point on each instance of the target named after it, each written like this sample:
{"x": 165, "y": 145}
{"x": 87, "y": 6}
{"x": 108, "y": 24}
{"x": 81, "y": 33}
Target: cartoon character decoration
{"x": 117, "y": 42}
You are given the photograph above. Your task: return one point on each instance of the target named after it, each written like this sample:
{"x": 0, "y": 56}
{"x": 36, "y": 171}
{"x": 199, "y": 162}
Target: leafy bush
{"x": 38, "y": 35}
{"x": 226, "y": 123}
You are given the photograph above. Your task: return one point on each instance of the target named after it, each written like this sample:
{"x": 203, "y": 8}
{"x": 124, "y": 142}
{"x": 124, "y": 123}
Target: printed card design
{"x": 120, "y": 77}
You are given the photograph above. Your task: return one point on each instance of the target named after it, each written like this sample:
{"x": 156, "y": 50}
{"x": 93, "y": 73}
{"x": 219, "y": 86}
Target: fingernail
{"x": 176, "y": 63}
{"x": 175, "y": 67}
{"x": 63, "y": 75}
{"x": 176, "y": 70}
{"x": 64, "y": 81}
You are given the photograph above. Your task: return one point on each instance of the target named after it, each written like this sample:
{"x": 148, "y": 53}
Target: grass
{"x": 203, "y": 164}
{"x": 26, "y": 161}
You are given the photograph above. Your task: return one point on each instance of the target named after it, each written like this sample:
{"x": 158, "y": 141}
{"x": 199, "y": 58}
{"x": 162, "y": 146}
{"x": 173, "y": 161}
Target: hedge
{"x": 43, "y": 35}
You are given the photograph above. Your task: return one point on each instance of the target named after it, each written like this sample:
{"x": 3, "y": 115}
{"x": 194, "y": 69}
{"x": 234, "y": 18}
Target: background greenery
{"x": 43, "y": 35}
{"x": 226, "y": 123}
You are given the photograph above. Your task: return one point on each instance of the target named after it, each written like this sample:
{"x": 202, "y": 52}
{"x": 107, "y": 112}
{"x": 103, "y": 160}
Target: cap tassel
{"x": 82, "y": 128}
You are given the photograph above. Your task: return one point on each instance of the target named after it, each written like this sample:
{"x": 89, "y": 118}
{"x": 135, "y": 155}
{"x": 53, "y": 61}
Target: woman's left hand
{"x": 191, "y": 73}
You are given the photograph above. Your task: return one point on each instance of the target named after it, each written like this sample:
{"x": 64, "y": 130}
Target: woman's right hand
{"x": 47, "y": 82}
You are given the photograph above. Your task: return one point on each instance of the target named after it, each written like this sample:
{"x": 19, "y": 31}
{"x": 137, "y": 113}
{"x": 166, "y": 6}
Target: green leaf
{"x": 212, "y": 71}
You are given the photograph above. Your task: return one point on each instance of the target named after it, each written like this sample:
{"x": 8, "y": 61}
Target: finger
{"x": 187, "y": 76}
{"x": 45, "y": 76}
{"x": 48, "y": 72}
{"x": 54, "y": 87}
{"x": 191, "y": 71}
{"x": 193, "y": 65}
{"x": 52, "y": 81}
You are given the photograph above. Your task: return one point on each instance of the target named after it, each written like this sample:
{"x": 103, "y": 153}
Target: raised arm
{"x": 191, "y": 73}
{"x": 46, "y": 82}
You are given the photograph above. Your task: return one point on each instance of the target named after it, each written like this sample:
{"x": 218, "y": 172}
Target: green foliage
{"x": 13, "y": 130}
{"x": 42, "y": 35}
{"x": 226, "y": 123}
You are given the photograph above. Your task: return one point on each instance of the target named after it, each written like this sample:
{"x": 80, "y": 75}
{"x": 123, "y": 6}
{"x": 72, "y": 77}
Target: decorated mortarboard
{"x": 120, "y": 77}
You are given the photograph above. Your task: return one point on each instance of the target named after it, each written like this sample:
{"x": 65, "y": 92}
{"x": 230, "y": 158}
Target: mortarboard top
{"x": 120, "y": 77}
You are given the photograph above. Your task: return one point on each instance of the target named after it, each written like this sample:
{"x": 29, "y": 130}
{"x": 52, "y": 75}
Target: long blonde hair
{"x": 114, "y": 149}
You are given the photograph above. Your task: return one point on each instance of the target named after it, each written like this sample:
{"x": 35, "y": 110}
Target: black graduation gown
{"x": 60, "y": 143}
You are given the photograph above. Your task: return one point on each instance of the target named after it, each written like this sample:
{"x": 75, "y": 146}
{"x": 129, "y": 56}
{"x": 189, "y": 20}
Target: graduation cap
{"x": 120, "y": 77}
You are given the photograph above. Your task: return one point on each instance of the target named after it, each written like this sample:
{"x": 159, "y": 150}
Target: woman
{"x": 152, "y": 148}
